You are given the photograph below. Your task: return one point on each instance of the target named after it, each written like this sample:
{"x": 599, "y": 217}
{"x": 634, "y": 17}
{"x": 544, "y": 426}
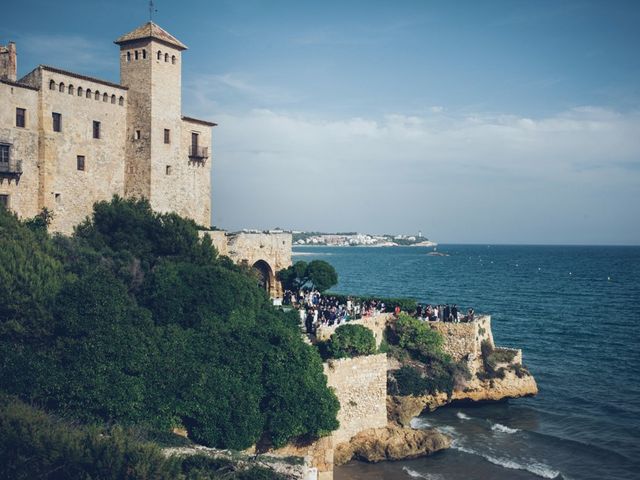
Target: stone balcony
{"x": 11, "y": 169}
{"x": 198, "y": 154}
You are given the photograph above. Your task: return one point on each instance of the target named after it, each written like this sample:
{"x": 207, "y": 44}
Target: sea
{"x": 575, "y": 313}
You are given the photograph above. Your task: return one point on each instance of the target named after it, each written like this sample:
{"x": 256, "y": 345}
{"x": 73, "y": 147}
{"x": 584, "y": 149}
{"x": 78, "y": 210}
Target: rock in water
{"x": 391, "y": 443}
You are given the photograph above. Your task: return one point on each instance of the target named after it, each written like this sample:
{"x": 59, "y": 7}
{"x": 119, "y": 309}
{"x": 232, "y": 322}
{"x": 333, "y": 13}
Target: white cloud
{"x": 486, "y": 172}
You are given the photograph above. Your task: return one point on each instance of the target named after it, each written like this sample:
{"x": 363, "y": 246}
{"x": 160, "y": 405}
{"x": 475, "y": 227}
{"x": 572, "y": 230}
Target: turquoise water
{"x": 575, "y": 312}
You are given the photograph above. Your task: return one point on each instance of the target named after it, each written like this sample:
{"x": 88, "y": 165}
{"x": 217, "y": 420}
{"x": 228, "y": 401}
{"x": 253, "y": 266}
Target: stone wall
{"x": 23, "y": 147}
{"x": 130, "y": 158}
{"x": 361, "y": 387}
{"x": 377, "y": 324}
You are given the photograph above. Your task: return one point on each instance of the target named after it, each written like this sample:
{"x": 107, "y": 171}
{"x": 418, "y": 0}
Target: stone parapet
{"x": 376, "y": 323}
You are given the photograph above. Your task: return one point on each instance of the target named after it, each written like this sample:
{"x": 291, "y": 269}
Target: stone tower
{"x": 8, "y": 62}
{"x": 166, "y": 159}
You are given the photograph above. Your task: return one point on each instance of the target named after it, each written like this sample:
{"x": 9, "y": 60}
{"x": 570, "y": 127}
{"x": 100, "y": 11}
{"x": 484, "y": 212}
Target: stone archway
{"x": 266, "y": 278}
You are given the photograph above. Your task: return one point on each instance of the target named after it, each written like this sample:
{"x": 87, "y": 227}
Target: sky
{"x": 475, "y": 122}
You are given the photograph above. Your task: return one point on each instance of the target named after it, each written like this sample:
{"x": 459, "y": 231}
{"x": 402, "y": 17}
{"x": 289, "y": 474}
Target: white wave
{"x": 419, "y": 422}
{"x": 498, "y": 427}
{"x": 426, "y": 476}
{"x": 448, "y": 429}
{"x": 463, "y": 416}
{"x": 537, "y": 468}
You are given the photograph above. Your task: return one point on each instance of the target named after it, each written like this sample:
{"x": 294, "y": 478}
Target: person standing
{"x": 454, "y": 313}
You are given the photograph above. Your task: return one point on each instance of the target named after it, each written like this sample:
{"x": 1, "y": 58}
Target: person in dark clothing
{"x": 447, "y": 313}
{"x": 454, "y": 312}
{"x": 309, "y": 322}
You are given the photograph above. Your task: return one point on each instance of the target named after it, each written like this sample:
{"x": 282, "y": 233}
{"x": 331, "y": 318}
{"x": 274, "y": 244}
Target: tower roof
{"x": 151, "y": 30}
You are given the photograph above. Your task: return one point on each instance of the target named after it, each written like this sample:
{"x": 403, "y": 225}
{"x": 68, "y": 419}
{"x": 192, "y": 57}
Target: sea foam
{"x": 537, "y": 468}
{"x": 426, "y": 476}
{"x": 498, "y": 427}
{"x": 463, "y": 416}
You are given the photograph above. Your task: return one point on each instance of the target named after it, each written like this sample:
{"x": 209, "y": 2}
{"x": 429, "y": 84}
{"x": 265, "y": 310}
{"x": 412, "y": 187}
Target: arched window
{"x": 70, "y": 89}
{"x": 144, "y": 53}
{"x": 166, "y": 57}
{"x": 61, "y": 87}
{"x": 52, "y": 85}
{"x": 173, "y": 59}
{"x": 136, "y": 55}
{"x": 113, "y": 99}
{"x": 80, "y": 91}
{"x": 159, "y": 55}
{"x": 88, "y": 93}
{"x": 105, "y": 97}
{"x": 97, "y": 95}
{"x": 121, "y": 101}
{"x": 128, "y": 56}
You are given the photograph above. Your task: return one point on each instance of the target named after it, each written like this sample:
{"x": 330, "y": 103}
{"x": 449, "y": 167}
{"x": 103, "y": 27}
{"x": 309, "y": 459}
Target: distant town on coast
{"x": 354, "y": 239}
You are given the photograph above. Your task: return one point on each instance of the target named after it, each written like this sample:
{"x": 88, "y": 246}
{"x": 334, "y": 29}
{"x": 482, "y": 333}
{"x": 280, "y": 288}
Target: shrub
{"x": 418, "y": 338}
{"x": 351, "y": 341}
{"x": 135, "y": 321}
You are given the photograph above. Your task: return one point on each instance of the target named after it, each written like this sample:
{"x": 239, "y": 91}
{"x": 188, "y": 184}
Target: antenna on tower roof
{"x": 152, "y": 10}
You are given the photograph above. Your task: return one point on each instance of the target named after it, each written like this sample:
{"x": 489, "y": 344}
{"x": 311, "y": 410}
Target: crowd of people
{"x": 318, "y": 310}
{"x": 443, "y": 313}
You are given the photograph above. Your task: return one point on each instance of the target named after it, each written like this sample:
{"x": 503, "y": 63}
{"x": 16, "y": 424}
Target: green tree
{"x": 322, "y": 275}
{"x": 351, "y": 341}
{"x": 293, "y": 277}
{"x": 418, "y": 337}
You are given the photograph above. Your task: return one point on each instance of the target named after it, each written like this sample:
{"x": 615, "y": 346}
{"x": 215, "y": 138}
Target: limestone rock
{"x": 391, "y": 443}
{"x": 402, "y": 409}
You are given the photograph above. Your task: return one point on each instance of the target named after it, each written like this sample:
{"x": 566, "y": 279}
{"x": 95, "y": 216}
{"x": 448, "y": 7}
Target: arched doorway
{"x": 265, "y": 275}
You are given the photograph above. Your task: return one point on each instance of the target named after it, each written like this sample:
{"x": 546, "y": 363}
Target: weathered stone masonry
{"x": 68, "y": 140}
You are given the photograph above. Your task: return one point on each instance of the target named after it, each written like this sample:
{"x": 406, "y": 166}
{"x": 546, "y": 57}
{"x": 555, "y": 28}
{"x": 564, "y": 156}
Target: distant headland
{"x": 354, "y": 239}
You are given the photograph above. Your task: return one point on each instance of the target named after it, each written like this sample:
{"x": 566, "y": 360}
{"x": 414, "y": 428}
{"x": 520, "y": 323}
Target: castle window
{"x": 4, "y": 156}
{"x": 61, "y": 87}
{"x": 97, "y": 95}
{"x": 70, "y": 90}
{"x": 96, "y": 129}
{"x": 4, "y": 201}
{"x": 138, "y": 135}
{"x": 113, "y": 99}
{"x": 144, "y": 53}
{"x": 80, "y": 91}
{"x": 167, "y": 135}
{"x": 159, "y": 55}
{"x": 88, "y": 93}
{"x": 105, "y": 98}
{"x": 173, "y": 59}
{"x": 121, "y": 101}
{"x": 21, "y": 114}
{"x": 166, "y": 57}
{"x": 57, "y": 121}
{"x": 136, "y": 55}
{"x": 168, "y": 170}
{"x": 52, "y": 85}
{"x": 128, "y": 56}
{"x": 80, "y": 162}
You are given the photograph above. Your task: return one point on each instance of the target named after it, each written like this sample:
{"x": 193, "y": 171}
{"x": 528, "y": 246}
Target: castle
{"x": 69, "y": 140}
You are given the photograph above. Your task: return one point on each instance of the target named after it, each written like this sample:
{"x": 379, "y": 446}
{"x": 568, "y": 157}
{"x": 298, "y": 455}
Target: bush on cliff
{"x": 424, "y": 346}
{"x": 351, "y": 341}
{"x": 136, "y": 320}
{"x": 36, "y": 445}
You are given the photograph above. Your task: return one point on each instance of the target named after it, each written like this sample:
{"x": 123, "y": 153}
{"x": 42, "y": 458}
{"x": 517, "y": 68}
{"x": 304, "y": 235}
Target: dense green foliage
{"x": 135, "y": 320}
{"x": 418, "y": 338}
{"x": 406, "y": 304}
{"x": 423, "y": 345}
{"x": 36, "y": 445}
{"x": 318, "y": 274}
{"x": 351, "y": 341}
